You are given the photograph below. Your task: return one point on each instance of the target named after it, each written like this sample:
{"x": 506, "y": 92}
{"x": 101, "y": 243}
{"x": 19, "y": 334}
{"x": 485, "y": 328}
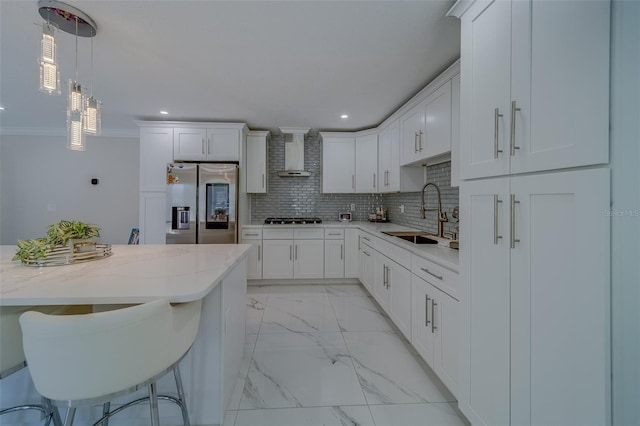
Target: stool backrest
{"x": 11, "y": 355}
{"x": 75, "y": 357}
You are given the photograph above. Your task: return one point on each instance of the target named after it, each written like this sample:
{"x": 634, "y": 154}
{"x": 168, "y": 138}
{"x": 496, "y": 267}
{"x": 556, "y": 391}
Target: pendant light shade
{"x": 75, "y": 117}
{"x": 49, "y": 74}
{"x": 92, "y": 112}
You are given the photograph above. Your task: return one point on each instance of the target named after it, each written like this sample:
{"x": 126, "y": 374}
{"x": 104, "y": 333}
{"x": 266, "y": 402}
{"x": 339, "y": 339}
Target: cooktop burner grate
{"x": 292, "y": 220}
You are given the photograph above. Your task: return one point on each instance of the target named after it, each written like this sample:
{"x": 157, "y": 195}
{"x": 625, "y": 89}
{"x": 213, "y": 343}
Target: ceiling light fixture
{"x": 164, "y": 112}
{"x": 1, "y": 108}
{"x": 344, "y": 116}
{"x": 83, "y": 114}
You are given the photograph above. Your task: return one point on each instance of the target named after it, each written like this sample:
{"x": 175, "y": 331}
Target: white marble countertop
{"x": 440, "y": 254}
{"x": 132, "y": 274}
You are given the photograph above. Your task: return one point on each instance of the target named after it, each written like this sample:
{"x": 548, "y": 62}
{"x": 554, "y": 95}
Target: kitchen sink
{"x": 413, "y": 237}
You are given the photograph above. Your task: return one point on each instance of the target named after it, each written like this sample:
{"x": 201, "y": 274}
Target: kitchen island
{"x": 137, "y": 274}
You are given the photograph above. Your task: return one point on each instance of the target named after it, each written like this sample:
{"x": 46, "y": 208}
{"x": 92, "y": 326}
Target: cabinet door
{"x": 383, "y": 159}
{"x": 308, "y": 259}
{"x": 436, "y": 139}
{"x": 485, "y": 301}
{"x": 367, "y": 164}
{"x": 156, "y": 150}
{"x": 399, "y": 287}
{"x": 422, "y": 337}
{"x": 223, "y": 144}
{"x": 380, "y": 290}
{"x": 254, "y": 259}
{"x": 256, "y": 167}
{"x": 153, "y": 225}
{"x": 334, "y": 258}
{"x": 560, "y": 279}
{"x": 563, "y": 98}
{"x": 485, "y": 92}
{"x": 351, "y": 253}
{"x": 189, "y": 144}
{"x": 446, "y": 320}
{"x": 338, "y": 165}
{"x": 367, "y": 268}
{"x": 455, "y": 131}
{"x": 277, "y": 259}
{"x": 412, "y": 123}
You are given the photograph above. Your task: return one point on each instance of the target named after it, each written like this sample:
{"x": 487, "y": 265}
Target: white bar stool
{"x": 12, "y": 357}
{"x": 83, "y": 360}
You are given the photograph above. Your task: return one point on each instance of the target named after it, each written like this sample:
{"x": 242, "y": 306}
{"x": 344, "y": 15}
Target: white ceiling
{"x": 266, "y": 63}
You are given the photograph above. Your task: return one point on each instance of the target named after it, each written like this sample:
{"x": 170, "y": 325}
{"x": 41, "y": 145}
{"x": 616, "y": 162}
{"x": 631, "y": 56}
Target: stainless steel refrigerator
{"x": 202, "y": 203}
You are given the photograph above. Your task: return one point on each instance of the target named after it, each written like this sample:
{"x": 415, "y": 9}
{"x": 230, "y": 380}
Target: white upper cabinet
{"x": 535, "y": 86}
{"x": 156, "y": 150}
{"x": 338, "y": 164}
{"x": 455, "y": 131}
{"x": 349, "y": 163}
{"x": 392, "y": 177}
{"x": 366, "y": 163}
{"x": 426, "y": 129}
{"x": 256, "y": 162}
{"x": 208, "y": 144}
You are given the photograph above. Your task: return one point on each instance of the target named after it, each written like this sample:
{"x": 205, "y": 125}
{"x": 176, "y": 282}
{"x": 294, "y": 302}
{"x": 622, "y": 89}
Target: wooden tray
{"x": 67, "y": 255}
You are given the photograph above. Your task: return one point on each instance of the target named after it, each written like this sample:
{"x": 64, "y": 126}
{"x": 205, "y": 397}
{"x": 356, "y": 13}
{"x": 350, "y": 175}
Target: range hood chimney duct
{"x": 294, "y": 152}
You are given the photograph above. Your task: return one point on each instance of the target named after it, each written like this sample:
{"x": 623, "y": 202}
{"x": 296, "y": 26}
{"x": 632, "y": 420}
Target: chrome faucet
{"x": 442, "y": 215}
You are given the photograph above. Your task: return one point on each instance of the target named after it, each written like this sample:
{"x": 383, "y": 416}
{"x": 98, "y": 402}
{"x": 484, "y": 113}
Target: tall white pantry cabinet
{"x": 535, "y": 189}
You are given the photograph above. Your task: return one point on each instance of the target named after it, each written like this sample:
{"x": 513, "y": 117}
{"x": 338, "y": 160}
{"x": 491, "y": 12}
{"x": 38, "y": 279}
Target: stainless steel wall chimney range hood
{"x": 294, "y": 152}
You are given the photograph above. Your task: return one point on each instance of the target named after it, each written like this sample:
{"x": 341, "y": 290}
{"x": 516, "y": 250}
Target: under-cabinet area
{"x": 414, "y": 285}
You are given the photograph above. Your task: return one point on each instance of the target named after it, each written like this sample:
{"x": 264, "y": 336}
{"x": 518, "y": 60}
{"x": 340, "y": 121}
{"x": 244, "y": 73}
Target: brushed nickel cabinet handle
{"x": 374, "y": 180}
{"x": 388, "y": 277}
{"x": 341, "y": 250}
{"x": 495, "y": 133}
{"x": 433, "y": 315}
{"x": 431, "y": 273}
{"x": 353, "y": 181}
{"x": 513, "y": 128}
{"x": 290, "y": 252}
{"x": 415, "y": 142}
{"x": 365, "y": 238}
{"x": 209, "y": 146}
{"x": 514, "y": 240}
{"x": 420, "y": 133}
{"x": 251, "y": 234}
{"x": 263, "y": 180}
{"x": 495, "y": 219}
{"x": 202, "y": 146}
{"x": 366, "y": 253}
{"x": 259, "y": 247}
{"x": 359, "y": 238}
{"x": 426, "y": 310}
{"x": 333, "y": 234}
{"x": 296, "y": 255}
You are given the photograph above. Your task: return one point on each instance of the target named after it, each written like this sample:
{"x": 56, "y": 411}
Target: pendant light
{"x": 92, "y": 108}
{"x": 75, "y": 110}
{"x": 49, "y": 74}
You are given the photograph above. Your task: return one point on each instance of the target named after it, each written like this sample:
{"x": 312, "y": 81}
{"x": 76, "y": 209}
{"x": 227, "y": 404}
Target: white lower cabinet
{"x": 393, "y": 292}
{"x": 254, "y": 260}
{"x": 535, "y": 299}
{"x": 277, "y": 259}
{"x": 308, "y": 259}
{"x": 152, "y": 220}
{"x": 367, "y": 266}
{"x": 352, "y": 253}
{"x": 434, "y": 332}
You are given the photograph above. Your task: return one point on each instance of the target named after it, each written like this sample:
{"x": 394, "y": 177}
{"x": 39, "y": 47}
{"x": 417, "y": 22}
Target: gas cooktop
{"x": 292, "y": 220}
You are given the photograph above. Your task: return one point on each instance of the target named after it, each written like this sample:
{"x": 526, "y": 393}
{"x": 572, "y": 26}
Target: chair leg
{"x": 153, "y": 399}
{"x": 68, "y": 420}
{"x": 106, "y": 407}
{"x": 55, "y": 414}
{"x": 181, "y": 396}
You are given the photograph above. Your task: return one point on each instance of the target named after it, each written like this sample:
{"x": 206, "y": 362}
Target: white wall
{"x": 36, "y": 171}
{"x": 625, "y": 195}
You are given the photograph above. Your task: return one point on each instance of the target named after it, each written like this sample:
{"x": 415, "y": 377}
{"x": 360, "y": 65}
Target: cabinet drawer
{"x": 333, "y": 234}
{"x": 436, "y": 275}
{"x": 369, "y": 239}
{"x": 277, "y": 234}
{"x": 308, "y": 234}
{"x": 251, "y": 234}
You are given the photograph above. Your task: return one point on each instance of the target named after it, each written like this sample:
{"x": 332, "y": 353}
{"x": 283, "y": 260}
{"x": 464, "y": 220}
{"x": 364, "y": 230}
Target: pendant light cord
{"x": 76, "y": 49}
{"x": 92, "y": 67}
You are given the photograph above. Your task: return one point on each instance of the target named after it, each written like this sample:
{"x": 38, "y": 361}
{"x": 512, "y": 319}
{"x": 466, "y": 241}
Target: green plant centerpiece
{"x": 79, "y": 234}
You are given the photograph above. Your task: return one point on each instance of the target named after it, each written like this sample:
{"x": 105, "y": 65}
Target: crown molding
{"x": 458, "y": 9}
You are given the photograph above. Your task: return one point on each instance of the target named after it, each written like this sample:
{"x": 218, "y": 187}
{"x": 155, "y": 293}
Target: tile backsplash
{"x": 301, "y": 196}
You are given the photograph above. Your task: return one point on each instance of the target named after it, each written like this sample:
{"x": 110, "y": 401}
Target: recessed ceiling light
{"x": 164, "y": 112}
{"x": 1, "y": 108}
{"x": 343, "y": 116}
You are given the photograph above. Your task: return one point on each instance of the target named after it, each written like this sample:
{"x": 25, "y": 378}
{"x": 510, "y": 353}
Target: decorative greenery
{"x": 58, "y": 234}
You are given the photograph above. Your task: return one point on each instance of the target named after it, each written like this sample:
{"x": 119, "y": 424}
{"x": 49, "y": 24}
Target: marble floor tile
{"x": 432, "y": 414}
{"x": 391, "y": 372}
{"x": 313, "y": 416}
{"x": 298, "y": 312}
{"x": 291, "y": 370}
{"x": 297, "y": 289}
{"x": 347, "y": 290}
{"x": 230, "y": 418}
{"x": 255, "y": 310}
{"x": 359, "y": 313}
{"x": 258, "y": 289}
